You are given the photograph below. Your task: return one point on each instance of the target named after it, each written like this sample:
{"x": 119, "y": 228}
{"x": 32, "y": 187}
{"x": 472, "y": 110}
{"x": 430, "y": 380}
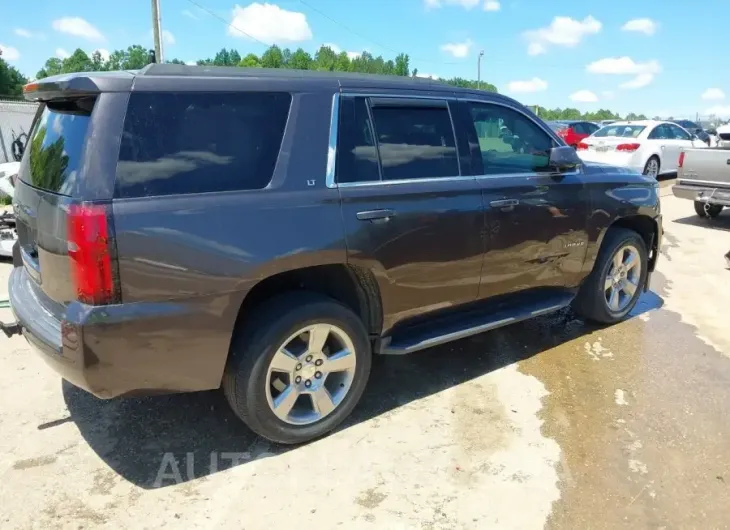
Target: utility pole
{"x": 156, "y": 30}
{"x": 479, "y": 70}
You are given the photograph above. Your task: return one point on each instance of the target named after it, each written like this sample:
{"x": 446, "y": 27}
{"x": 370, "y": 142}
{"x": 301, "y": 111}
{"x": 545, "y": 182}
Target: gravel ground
{"x": 546, "y": 423}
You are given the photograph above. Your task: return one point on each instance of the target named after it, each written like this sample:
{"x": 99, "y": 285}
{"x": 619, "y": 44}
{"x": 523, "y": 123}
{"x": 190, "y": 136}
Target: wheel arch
{"x": 644, "y": 225}
{"x": 351, "y": 285}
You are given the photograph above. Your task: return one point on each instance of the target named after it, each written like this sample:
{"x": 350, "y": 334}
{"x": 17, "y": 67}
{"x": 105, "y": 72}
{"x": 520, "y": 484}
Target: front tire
{"x": 613, "y": 287}
{"x": 652, "y": 167}
{"x": 704, "y": 209}
{"x": 297, "y": 369}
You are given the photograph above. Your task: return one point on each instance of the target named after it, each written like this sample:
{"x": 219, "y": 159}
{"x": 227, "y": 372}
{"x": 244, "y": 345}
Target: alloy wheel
{"x": 622, "y": 278}
{"x": 310, "y": 374}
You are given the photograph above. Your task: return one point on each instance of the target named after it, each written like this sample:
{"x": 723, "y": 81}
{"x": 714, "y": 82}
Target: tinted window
{"x": 357, "y": 158}
{"x": 56, "y": 146}
{"x": 415, "y": 142}
{"x": 678, "y": 133}
{"x": 687, "y": 124}
{"x": 623, "y": 131}
{"x": 590, "y": 128}
{"x": 200, "y": 142}
{"x": 580, "y": 128}
{"x": 509, "y": 141}
{"x": 661, "y": 132}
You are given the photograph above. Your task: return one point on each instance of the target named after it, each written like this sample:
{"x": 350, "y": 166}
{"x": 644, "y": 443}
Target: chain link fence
{"x": 16, "y": 116}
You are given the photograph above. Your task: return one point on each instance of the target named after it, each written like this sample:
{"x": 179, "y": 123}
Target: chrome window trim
{"x": 332, "y": 148}
{"x": 403, "y": 181}
{"x": 334, "y": 124}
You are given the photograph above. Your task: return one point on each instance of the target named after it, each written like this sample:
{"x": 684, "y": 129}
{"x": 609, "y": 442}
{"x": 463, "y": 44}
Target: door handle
{"x": 505, "y": 205}
{"x": 376, "y": 216}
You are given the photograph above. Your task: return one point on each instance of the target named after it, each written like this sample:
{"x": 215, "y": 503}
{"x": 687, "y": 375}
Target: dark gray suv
{"x": 186, "y": 228}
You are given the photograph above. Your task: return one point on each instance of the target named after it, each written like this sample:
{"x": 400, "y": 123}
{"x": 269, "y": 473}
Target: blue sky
{"x": 651, "y": 56}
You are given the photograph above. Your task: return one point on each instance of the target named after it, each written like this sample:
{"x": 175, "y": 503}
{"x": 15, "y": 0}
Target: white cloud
{"x": 562, "y": 31}
{"x": 644, "y": 72}
{"x": 466, "y": 4}
{"x": 713, "y": 94}
{"x": 9, "y": 53}
{"x": 78, "y": 27}
{"x": 189, "y": 14}
{"x": 269, "y": 23}
{"x": 427, "y": 76}
{"x": 103, "y": 52}
{"x": 640, "y": 81}
{"x": 641, "y": 25}
{"x": 719, "y": 110}
{"x": 492, "y": 5}
{"x": 168, "y": 37}
{"x": 584, "y": 96}
{"x": 457, "y": 49}
{"x": 62, "y": 54}
{"x": 533, "y": 85}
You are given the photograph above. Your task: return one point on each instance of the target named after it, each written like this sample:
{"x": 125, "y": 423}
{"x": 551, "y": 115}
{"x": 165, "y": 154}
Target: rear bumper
{"x": 703, "y": 193}
{"x": 126, "y": 349}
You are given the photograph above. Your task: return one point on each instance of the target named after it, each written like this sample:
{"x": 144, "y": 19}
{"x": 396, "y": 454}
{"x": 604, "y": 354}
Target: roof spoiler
{"x": 77, "y": 85}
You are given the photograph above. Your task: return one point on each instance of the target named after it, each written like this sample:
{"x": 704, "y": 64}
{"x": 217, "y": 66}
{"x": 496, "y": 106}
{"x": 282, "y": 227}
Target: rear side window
{"x": 415, "y": 142}
{"x": 56, "y": 145}
{"x": 357, "y": 156}
{"x": 181, "y": 143}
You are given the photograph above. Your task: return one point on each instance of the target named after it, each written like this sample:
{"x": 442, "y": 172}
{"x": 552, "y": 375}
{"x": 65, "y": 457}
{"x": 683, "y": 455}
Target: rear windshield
{"x": 56, "y": 145}
{"x": 621, "y": 131}
{"x": 180, "y": 143}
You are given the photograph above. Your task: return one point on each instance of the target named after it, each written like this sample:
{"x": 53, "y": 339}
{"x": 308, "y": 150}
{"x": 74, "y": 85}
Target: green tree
{"x": 137, "y": 57}
{"x": 78, "y": 62}
{"x": 250, "y": 61}
{"x": 176, "y": 61}
{"x": 401, "y": 65}
{"x": 343, "y": 63}
{"x": 48, "y": 164}
{"x": 272, "y": 58}
{"x": 11, "y": 80}
{"x": 325, "y": 60}
{"x": 227, "y": 58}
{"x": 301, "y": 60}
{"x": 98, "y": 63}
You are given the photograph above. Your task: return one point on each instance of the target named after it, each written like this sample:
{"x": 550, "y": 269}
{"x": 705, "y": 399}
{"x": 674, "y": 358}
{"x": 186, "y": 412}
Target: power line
{"x": 392, "y": 50}
{"x": 227, "y": 23}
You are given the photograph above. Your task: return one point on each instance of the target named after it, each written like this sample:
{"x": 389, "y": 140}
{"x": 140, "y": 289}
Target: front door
{"x": 409, "y": 215}
{"x": 536, "y": 219}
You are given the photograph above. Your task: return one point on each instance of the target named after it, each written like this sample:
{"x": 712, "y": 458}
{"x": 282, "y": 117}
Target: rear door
{"x": 663, "y": 137}
{"x": 536, "y": 219}
{"x": 409, "y": 214}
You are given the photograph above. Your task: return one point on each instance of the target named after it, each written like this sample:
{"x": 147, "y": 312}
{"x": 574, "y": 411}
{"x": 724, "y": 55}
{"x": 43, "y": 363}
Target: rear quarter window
{"x": 183, "y": 143}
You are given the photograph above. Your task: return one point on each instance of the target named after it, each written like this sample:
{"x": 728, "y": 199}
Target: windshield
{"x": 621, "y": 131}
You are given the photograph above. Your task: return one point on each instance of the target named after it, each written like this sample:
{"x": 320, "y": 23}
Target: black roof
{"x": 160, "y": 77}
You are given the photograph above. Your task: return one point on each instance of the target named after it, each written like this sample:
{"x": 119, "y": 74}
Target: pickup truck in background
{"x": 703, "y": 176}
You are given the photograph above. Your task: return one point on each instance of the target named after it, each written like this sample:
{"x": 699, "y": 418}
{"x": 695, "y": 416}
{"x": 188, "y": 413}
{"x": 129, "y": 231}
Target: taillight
{"x": 627, "y": 147}
{"x": 582, "y": 146}
{"x": 681, "y": 160}
{"x": 90, "y": 252}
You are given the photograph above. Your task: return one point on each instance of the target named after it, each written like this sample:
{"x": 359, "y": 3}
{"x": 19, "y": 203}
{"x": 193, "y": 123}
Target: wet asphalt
{"x": 548, "y": 423}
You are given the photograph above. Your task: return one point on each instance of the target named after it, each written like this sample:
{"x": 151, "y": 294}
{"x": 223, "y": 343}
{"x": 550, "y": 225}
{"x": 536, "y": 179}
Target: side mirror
{"x": 563, "y": 158}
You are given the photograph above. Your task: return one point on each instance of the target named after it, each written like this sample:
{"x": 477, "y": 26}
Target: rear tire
{"x": 255, "y": 389}
{"x": 652, "y": 167}
{"x": 711, "y": 211}
{"x": 594, "y": 301}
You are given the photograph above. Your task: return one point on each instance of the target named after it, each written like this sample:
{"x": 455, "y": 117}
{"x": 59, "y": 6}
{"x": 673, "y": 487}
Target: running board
{"x": 471, "y": 325}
